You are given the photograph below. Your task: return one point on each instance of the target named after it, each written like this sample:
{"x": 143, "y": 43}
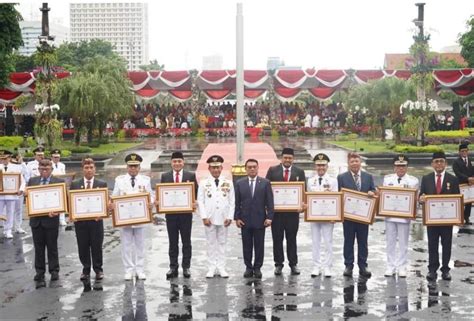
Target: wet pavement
{"x": 284, "y": 297}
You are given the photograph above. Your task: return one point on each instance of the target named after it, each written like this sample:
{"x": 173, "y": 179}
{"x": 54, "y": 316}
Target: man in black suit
{"x": 179, "y": 223}
{"x": 285, "y": 223}
{"x": 90, "y": 233}
{"x": 358, "y": 180}
{"x": 439, "y": 182}
{"x": 464, "y": 171}
{"x": 253, "y": 213}
{"x": 45, "y": 229}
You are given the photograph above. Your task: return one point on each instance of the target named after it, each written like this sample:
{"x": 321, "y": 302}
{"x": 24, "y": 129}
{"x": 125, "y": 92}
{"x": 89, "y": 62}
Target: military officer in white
{"x": 216, "y": 202}
{"x": 33, "y": 165}
{"x": 133, "y": 237}
{"x": 8, "y": 201}
{"x": 322, "y": 182}
{"x": 398, "y": 228}
{"x": 58, "y": 169}
{"x": 21, "y": 167}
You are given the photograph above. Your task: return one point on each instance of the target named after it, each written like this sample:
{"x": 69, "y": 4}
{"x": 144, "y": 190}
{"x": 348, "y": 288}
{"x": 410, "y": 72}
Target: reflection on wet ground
{"x": 286, "y": 297}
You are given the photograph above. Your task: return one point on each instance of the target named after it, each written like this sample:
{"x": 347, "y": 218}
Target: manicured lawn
{"x": 104, "y": 149}
{"x": 366, "y": 146}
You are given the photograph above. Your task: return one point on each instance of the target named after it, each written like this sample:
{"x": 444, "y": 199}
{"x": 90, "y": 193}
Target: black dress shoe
{"x": 40, "y": 284}
{"x": 39, "y": 277}
{"x": 99, "y": 276}
{"x": 172, "y": 273}
{"x": 84, "y": 277}
{"x": 347, "y": 271}
{"x": 446, "y": 276}
{"x": 278, "y": 270}
{"x": 248, "y": 273}
{"x": 54, "y": 276}
{"x": 431, "y": 276}
{"x": 295, "y": 270}
{"x": 186, "y": 273}
{"x": 257, "y": 273}
{"x": 365, "y": 273}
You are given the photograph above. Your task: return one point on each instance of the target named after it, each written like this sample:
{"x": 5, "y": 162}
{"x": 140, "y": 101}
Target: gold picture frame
{"x": 450, "y": 209}
{"x": 44, "y": 199}
{"x": 13, "y": 178}
{"x": 393, "y": 201}
{"x": 175, "y": 197}
{"x": 132, "y": 209}
{"x": 468, "y": 193}
{"x": 288, "y": 196}
{"x": 325, "y": 203}
{"x": 358, "y": 206}
{"x": 81, "y": 200}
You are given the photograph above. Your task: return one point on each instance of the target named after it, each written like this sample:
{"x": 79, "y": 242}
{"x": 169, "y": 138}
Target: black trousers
{"x": 45, "y": 239}
{"x": 179, "y": 224}
{"x": 467, "y": 211}
{"x": 90, "y": 237}
{"x": 285, "y": 225}
{"x": 253, "y": 239}
{"x": 360, "y": 231}
{"x": 446, "y": 235}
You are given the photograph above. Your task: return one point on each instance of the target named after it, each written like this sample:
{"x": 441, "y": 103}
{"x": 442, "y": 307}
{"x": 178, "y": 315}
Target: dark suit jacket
{"x": 45, "y": 221}
{"x": 346, "y": 180}
{"x": 428, "y": 185}
{"x": 188, "y": 177}
{"x": 462, "y": 171}
{"x": 79, "y": 184}
{"x": 275, "y": 174}
{"x": 253, "y": 211}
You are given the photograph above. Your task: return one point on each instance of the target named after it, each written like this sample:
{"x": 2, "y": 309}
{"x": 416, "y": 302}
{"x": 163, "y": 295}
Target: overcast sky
{"x": 330, "y": 34}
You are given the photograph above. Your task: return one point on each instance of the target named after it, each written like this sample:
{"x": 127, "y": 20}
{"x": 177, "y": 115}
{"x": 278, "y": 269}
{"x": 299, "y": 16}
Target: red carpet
{"x": 260, "y": 151}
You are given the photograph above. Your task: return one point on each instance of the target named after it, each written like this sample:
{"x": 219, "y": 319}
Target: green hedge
{"x": 417, "y": 149}
{"x": 81, "y": 150}
{"x": 448, "y": 133}
{"x": 12, "y": 142}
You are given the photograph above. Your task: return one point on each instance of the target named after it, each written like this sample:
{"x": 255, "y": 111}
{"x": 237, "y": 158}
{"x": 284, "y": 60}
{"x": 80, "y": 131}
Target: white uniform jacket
{"x": 216, "y": 203}
{"x": 328, "y": 183}
{"x": 59, "y": 168}
{"x": 17, "y": 169}
{"x": 407, "y": 181}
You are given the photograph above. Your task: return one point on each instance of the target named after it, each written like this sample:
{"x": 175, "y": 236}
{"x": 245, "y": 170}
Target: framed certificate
{"x": 11, "y": 183}
{"x": 175, "y": 197}
{"x": 445, "y": 209}
{"x": 288, "y": 196}
{"x": 358, "y": 206}
{"x": 323, "y": 207}
{"x": 468, "y": 192}
{"x": 68, "y": 178}
{"x": 44, "y": 199}
{"x": 131, "y": 209}
{"x": 397, "y": 202}
{"x": 88, "y": 204}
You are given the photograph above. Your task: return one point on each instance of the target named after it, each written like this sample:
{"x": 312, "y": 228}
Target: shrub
{"x": 448, "y": 133}
{"x": 121, "y": 134}
{"x": 81, "y": 150}
{"x": 12, "y": 142}
{"x": 94, "y": 144}
{"x": 417, "y": 149}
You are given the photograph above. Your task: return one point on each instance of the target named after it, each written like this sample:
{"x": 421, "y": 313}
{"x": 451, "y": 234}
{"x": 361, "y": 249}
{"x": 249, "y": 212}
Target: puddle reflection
{"x": 129, "y": 312}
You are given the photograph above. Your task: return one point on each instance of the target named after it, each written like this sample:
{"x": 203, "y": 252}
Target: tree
{"x": 10, "y": 39}
{"x": 152, "y": 66}
{"x": 23, "y": 63}
{"x": 466, "y": 40}
{"x": 97, "y": 93}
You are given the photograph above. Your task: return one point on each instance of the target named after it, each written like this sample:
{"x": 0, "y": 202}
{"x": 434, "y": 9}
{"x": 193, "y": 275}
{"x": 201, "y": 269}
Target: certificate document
{"x": 288, "y": 196}
{"x": 358, "y": 207}
{"x": 323, "y": 207}
{"x": 44, "y": 199}
{"x": 397, "y": 202}
{"x": 468, "y": 192}
{"x": 175, "y": 197}
{"x": 443, "y": 209}
{"x": 11, "y": 183}
{"x": 131, "y": 209}
{"x": 87, "y": 204}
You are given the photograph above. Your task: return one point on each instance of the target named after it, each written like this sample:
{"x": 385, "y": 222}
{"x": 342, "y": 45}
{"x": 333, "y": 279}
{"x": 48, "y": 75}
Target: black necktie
{"x": 6, "y": 167}
{"x": 217, "y": 182}
{"x": 56, "y": 165}
{"x": 399, "y": 180}
{"x": 44, "y": 181}
{"x": 465, "y": 162}
{"x": 133, "y": 181}
{"x": 320, "y": 179}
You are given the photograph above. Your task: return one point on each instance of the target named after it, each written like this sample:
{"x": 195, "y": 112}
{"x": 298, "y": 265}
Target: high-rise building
{"x": 31, "y": 30}
{"x": 123, "y": 24}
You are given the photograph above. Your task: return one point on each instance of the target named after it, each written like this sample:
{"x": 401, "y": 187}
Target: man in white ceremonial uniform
{"x": 20, "y": 166}
{"x": 398, "y": 229}
{"x": 58, "y": 169}
{"x": 322, "y": 182}
{"x": 133, "y": 237}
{"x": 216, "y": 201}
{"x": 32, "y": 166}
{"x": 8, "y": 201}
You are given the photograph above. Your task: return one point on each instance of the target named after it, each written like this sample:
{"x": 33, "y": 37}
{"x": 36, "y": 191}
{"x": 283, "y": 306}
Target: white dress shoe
{"x": 210, "y": 274}
{"x": 62, "y": 223}
{"x": 223, "y": 273}
{"x": 327, "y": 272}
{"x": 389, "y": 272}
{"x": 141, "y": 276}
{"x": 402, "y": 272}
{"x": 128, "y": 276}
{"x": 20, "y": 231}
{"x": 8, "y": 235}
{"x": 315, "y": 272}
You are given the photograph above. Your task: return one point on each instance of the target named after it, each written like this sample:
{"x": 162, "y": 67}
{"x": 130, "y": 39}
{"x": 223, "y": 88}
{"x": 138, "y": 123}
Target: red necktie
{"x": 285, "y": 178}
{"x": 438, "y": 184}
{"x": 176, "y": 180}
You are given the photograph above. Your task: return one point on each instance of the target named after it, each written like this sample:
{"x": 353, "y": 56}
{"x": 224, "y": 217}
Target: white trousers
{"x": 7, "y": 207}
{"x": 19, "y": 212}
{"x": 133, "y": 249}
{"x": 216, "y": 236}
{"x": 324, "y": 231}
{"x": 397, "y": 231}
